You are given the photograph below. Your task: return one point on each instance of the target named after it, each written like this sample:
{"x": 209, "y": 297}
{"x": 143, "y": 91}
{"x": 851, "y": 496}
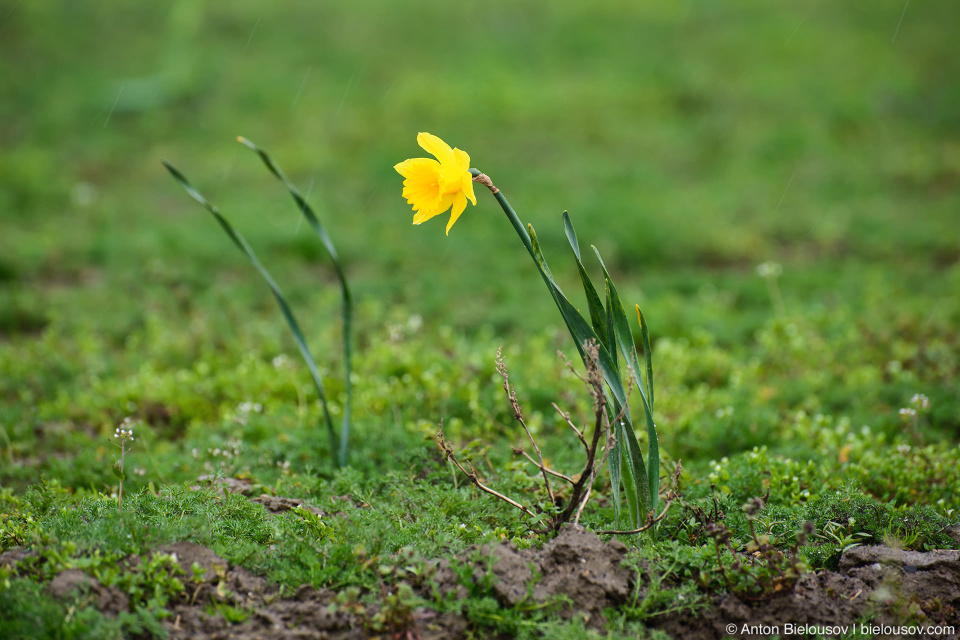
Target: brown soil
{"x": 889, "y": 587}
{"x": 577, "y": 572}
{"x": 576, "y": 565}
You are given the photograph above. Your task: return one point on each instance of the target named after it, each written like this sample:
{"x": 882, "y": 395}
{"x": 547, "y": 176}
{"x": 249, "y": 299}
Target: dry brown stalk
{"x": 518, "y": 415}
{"x": 472, "y": 474}
{"x": 519, "y": 451}
{"x": 566, "y": 418}
{"x": 602, "y": 441}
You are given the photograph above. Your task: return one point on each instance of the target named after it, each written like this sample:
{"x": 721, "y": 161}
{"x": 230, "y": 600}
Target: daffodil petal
{"x": 459, "y": 204}
{"x": 467, "y": 189}
{"x": 425, "y": 214}
{"x": 436, "y": 146}
{"x": 421, "y": 187}
{"x": 462, "y": 160}
{"x": 416, "y": 166}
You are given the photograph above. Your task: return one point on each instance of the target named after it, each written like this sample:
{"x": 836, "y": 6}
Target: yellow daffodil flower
{"x": 433, "y": 186}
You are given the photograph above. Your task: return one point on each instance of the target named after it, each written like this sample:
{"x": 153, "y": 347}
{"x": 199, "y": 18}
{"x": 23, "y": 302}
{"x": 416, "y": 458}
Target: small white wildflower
{"x": 724, "y": 412}
{"x": 904, "y": 449}
{"x": 769, "y": 269}
{"x": 83, "y": 194}
{"x": 394, "y": 331}
{"x": 908, "y": 412}
{"x": 920, "y": 401}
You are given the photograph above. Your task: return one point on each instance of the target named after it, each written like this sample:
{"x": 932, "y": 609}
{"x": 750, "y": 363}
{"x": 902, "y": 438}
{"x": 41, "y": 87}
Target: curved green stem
{"x": 511, "y": 215}
{"x": 636, "y": 482}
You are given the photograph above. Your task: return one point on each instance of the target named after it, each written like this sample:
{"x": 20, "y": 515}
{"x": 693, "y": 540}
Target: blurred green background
{"x": 690, "y": 142}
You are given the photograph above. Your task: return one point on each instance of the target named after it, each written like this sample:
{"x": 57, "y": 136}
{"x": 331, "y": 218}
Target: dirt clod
{"x": 576, "y": 569}
{"x": 226, "y": 485}
{"x": 897, "y": 574}
{"x": 884, "y": 585}
{"x": 577, "y": 564}
{"x": 277, "y": 504}
{"x": 73, "y": 582}
{"x": 188, "y": 553}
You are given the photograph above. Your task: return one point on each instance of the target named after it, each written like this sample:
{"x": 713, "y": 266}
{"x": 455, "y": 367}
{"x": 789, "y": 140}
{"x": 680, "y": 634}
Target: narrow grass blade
{"x": 597, "y": 313}
{"x": 541, "y": 262}
{"x": 653, "y": 448}
{"x": 634, "y": 476}
{"x": 614, "y": 466}
{"x": 611, "y": 331}
{"x": 241, "y": 244}
{"x": 629, "y": 351}
{"x": 347, "y": 304}
{"x": 579, "y": 328}
{"x": 630, "y": 490}
{"x": 638, "y": 482}
{"x": 647, "y": 353}
{"x": 581, "y": 332}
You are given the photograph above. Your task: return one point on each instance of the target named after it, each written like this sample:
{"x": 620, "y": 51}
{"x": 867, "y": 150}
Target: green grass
{"x": 690, "y": 143}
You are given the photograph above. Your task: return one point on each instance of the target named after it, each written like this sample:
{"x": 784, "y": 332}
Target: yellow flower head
{"x": 433, "y": 186}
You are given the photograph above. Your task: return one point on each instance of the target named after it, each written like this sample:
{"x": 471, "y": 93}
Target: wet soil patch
{"x": 73, "y": 582}
{"x": 877, "y": 586}
{"x": 576, "y": 571}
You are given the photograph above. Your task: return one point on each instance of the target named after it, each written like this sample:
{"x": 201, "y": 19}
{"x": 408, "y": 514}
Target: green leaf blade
{"x": 594, "y": 305}
{"x": 285, "y": 309}
{"x": 624, "y": 337}
{"x": 346, "y": 299}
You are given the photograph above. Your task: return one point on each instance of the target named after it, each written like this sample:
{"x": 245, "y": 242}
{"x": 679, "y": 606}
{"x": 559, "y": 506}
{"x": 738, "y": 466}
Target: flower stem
{"x": 120, "y": 491}
{"x": 507, "y": 209}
